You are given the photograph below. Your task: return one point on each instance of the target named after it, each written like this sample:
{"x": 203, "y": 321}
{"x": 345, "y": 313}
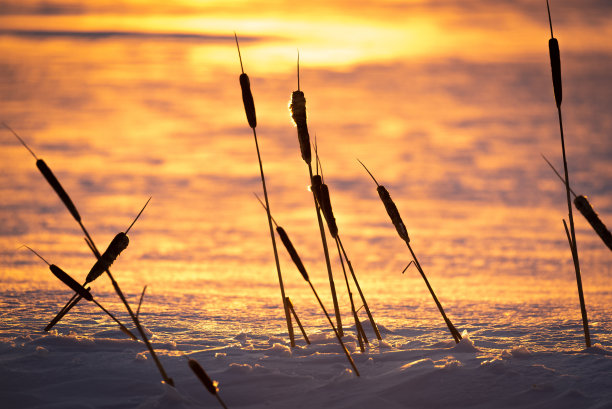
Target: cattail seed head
{"x": 298, "y": 113}
{"x": 393, "y": 213}
{"x": 555, "y": 66}
{"x": 211, "y": 386}
{"x": 583, "y": 205}
{"x": 55, "y": 184}
{"x": 70, "y": 282}
{"x": 247, "y": 99}
{"x": 328, "y": 213}
{"x": 315, "y": 187}
{"x": 117, "y": 245}
{"x": 292, "y": 252}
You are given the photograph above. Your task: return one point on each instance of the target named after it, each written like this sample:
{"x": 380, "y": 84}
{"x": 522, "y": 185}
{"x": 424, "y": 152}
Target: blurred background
{"x": 448, "y": 103}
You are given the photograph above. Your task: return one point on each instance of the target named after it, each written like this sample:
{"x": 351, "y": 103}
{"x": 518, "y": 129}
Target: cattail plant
{"x": 555, "y": 65}
{"x": 55, "y": 184}
{"x": 582, "y": 204}
{"x": 323, "y": 199}
{"x": 300, "y": 266}
{"x": 296, "y": 259}
{"x": 397, "y": 221}
{"x": 57, "y": 187}
{"x": 209, "y": 384}
{"x": 298, "y": 114}
{"x": 82, "y": 291}
{"x": 249, "y": 109}
{"x": 118, "y": 244}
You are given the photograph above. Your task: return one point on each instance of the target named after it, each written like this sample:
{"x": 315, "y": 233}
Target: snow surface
{"x": 105, "y": 370}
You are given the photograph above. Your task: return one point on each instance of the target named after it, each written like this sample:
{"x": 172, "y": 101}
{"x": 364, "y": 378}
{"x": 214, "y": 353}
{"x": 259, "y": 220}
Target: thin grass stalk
{"x": 456, "y": 335}
{"x": 140, "y": 300}
{"x": 136, "y": 321}
{"x": 555, "y": 64}
{"x": 350, "y": 294}
{"x": 327, "y": 260}
{"x": 297, "y": 320}
{"x": 300, "y": 266}
{"x": 298, "y": 114}
{"x": 278, "y": 269}
{"x": 363, "y": 300}
{"x": 584, "y": 207}
{"x": 296, "y": 260}
{"x": 346, "y": 352}
{"x": 400, "y": 227}
{"x": 249, "y": 108}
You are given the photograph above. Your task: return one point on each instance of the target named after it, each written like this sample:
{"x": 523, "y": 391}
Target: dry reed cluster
{"x": 322, "y": 205}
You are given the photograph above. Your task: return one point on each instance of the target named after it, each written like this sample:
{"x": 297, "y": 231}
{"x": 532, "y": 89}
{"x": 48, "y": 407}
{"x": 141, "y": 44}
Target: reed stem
{"x": 350, "y": 294}
{"x": 297, "y": 320}
{"x": 456, "y": 335}
{"x": 327, "y": 260}
{"x": 278, "y": 270}
{"x": 572, "y": 237}
{"x": 346, "y": 352}
{"x": 363, "y": 300}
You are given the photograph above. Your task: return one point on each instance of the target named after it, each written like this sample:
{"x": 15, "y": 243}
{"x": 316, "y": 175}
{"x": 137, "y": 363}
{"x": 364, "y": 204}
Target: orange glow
{"x": 450, "y": 107}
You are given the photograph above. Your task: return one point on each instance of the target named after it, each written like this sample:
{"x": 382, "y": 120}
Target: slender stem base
{"x": 572, "y": 238}
{"x": 278, "y": 270}
{"x": 346, "y": 352}
{"x": 327, "y": 261}
{"x": 297, "y": 320}
{"x": 365, "y": 303}
{"x": 456, "y": 335}
{"x": 350, "y": 294}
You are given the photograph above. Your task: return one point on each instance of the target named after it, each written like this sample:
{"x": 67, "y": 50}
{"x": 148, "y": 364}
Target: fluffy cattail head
{"x": 119, "y": 243}
{"x": 328, "y": 213}
{"x": 247, "y": 99}
{"x": 292, "y": 252}
{"x": 298, "y": 113}
{"x": 315, "y": 187}
{"x": 393, "y": 213}
{"x": 70, "y": 282}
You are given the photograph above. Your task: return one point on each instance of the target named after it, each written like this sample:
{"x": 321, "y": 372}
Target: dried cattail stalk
{"x": 116, "y": 246}
{"x": 393, "y": 213}
{"x": 395, "y": 217}
{"x": 583, "y": 205}
{"x": 80, "y": 291}
{"x": 297, "y": 319}
{"x": 328, "y": 212}
{"x": 307, "y": 279}
{"x": 350, "y": 294}
{"x": 292, "y": 252}
{"x": 210, "y": 385}
{"x": 140, "y": 300}
{"x": 555, "y": 65}
{"x": 297, "y": 106}
{"x": 51, "y": 179}
{"x": 390, "y": 207}
{"x": 247, "y": 95}
{"x": 249, "y": 107}
{"x": 298, "y": 113}
{"x": 70, "y": 282}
